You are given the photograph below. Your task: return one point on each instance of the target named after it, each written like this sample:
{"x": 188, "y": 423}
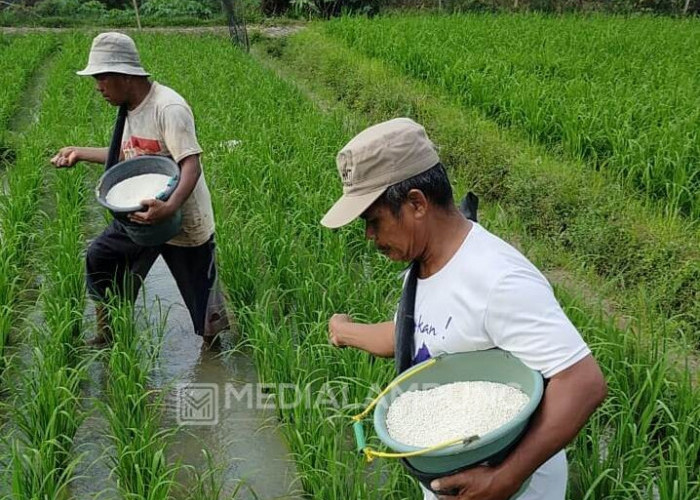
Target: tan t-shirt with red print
{"x": 163, "y": 124}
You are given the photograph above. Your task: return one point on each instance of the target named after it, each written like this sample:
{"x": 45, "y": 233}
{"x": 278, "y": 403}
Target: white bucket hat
{"x": 113, "y": 53}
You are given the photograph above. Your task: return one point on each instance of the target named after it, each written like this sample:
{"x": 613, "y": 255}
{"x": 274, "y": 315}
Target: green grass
{"x": 21, "y": 56}
{"x": 579, "y": 221}
{"x": 47, "y": 404}
{"x": 20, "y": 181}
{"x": 619, "y": 92}
{"x": 134, "y": 411}
{"x": 287, "y": 275}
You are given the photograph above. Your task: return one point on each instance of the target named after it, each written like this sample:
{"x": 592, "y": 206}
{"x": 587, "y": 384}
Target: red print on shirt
{"x": 137, "y": 146}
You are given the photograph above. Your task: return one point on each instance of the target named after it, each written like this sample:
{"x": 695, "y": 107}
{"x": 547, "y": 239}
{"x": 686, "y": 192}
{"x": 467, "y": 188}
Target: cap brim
{"x": 349, "y": 208}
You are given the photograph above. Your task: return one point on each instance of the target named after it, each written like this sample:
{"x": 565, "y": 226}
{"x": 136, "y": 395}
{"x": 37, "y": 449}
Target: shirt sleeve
{"x": 524, "y": 318}
{"x": 177, "y": 129}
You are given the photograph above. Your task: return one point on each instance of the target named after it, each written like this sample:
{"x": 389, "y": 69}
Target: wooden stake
{"x": 138, "y": 18}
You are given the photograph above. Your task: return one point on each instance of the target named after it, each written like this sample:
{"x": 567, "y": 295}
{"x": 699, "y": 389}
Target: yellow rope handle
{"x": 371, "y": 454}
{"x": 389, "y": 387}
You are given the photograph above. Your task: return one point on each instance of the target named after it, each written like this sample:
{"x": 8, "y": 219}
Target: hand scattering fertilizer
{"x": 454, "y": 412}
{"x": 125, "y": 185}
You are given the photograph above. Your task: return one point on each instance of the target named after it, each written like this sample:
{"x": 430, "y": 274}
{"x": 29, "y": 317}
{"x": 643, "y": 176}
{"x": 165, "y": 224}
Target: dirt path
{"x": 270, "y": 31}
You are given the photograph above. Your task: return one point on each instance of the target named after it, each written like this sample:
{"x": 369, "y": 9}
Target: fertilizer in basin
{"x": 458, "y": 410}
{"x": 132, "y": 191}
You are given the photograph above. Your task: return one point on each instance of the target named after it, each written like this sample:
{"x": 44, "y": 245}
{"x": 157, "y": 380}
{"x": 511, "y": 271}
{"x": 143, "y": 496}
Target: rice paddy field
{"x": 578, "y": 134}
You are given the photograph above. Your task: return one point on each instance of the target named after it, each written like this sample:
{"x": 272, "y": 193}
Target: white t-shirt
{"x": 163, "y": 124}
{"x": 489, "y": 295}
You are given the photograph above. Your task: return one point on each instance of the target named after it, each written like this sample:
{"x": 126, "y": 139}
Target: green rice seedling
{"x": 625, "y": 450}
{"x": 18, "y": 215}
{"x": 23, "y": 182}
{"x": 46, "y": 413}
{"x": 22, "y": 55}
{"x": 581, "y": 84}
{"x": 47, "y": 408}
{"x": 573, "y": 218}
{"x": 207, "y": 484}
{"x": 134, "y": 412}
{"x": 287, "y": 276}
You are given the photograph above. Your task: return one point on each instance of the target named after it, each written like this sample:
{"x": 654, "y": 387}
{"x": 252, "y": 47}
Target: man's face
{"x": 113, "y": 87}
{"x": 393, "y": 236}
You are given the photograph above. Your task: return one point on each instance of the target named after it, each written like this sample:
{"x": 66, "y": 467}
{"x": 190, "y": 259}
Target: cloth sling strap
{"x": 116, "y": 144}
{"x": 405, "y": 321}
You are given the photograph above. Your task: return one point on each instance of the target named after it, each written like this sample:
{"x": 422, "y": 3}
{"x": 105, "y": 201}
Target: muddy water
{"x": 244, "y": 444}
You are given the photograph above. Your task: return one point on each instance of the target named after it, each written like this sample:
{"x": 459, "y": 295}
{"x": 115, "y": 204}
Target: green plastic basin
{"x": 493, "y": 365}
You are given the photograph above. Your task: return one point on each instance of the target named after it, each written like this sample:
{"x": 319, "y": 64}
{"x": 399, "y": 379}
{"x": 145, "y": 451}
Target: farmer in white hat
{"x": 159, "y": 122}
{"x": 473, "y": 292}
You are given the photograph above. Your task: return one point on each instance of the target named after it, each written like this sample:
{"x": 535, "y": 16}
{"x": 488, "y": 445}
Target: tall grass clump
{"x": 620, "y": 93}
{"x": 286, "y": 276}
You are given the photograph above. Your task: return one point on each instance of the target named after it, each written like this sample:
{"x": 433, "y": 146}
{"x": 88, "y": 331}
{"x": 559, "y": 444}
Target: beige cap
{"x": 375, "y": 159}
{"x": 113, "y": 53}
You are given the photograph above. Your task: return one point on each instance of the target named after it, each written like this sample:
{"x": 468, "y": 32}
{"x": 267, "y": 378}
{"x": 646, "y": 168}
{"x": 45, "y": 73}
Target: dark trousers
{"x": 117, "y": 266}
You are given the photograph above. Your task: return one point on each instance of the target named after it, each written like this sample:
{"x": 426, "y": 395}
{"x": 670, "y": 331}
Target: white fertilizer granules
{"x": 451, "y": 411}
{"x": 131, "y": 192}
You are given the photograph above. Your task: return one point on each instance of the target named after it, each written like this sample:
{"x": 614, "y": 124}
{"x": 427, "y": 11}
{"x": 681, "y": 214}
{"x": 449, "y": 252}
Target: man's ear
{"x": 417, "y": 202}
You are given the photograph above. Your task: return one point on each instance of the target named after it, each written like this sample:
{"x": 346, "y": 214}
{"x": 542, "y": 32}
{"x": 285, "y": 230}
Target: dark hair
{"x": 433, "y": 183}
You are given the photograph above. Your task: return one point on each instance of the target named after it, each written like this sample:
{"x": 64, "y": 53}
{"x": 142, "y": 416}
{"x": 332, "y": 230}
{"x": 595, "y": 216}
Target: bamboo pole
{"x": 138, "y": 18}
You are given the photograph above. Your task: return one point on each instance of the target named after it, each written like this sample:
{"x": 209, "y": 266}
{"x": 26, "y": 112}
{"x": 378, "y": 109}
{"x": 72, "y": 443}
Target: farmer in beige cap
{"x": 158, "y": 122}
{"x": 473, "y": 292}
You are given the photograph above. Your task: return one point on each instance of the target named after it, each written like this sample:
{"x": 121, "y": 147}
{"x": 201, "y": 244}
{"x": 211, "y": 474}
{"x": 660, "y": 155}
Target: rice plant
{"x": 46, "y": 407}
{"x": 569, "y": 216}
{"x": 286, "y": 276}
{"x": 620, "y": 93}
{"x": 134, "y": 412}
{"x": 21, "y": 56}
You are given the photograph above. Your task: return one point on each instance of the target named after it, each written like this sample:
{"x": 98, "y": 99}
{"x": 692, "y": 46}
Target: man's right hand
{"x": 66, "y": 157}
{"x": 335, "y": 328}
{"x": 375, "y": 338}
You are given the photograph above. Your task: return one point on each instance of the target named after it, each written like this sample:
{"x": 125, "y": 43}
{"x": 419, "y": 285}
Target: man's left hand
{"x": 479, "y": 483}
{"x": 156, "y": 211}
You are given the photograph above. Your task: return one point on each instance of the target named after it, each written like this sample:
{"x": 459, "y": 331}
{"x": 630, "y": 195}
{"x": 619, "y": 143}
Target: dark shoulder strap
{"x": 116, "y": 144}
{"x": 469, "y": 206}
{"x": 405, "y": 321}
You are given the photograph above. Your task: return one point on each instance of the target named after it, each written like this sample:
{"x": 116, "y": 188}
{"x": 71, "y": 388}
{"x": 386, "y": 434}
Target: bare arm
{"x": 377, "y": 338}
{"x": 69, "y": 156}
{"x": 569, "y": 400}
{"x": 190, "y": 170}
